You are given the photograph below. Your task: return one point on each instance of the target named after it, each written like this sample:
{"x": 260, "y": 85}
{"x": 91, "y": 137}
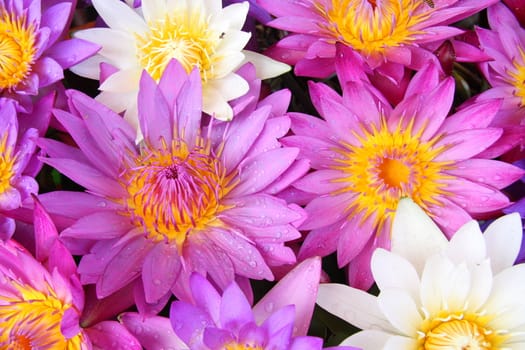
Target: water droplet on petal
{"x": 269, "y": 307}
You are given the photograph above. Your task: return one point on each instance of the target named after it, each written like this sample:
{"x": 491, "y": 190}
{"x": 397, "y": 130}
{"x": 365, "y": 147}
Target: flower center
{"x": 173, "y": 190}
{"x": 393, "y": 172}
{"x": 17, "y": 49}
{"x": 183, "y": 35}
{"x": 517, "y": 76}
{"x": 457, "y": 335}
{"x": 32, "y": 319}
{"x": 372, "y": 26}
{"x": 385, "y": 166}
{"x": 7, "y": 162}
{"x": 237, "y": 346}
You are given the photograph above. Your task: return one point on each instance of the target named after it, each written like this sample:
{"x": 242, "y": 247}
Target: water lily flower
{"x": 437, "y": 294}
{"x": 196, "y": 195}
{"x": 198, "y": 33}
{"x": 279, "y": 321}
{"x": 389, "y": 35}
{"x": 18, "y": 163}
{"x": 368, "y": 155}
{"x": 41, "y": 298}
{"x": 505, "y": 43}
{"x": 32, "y": 52}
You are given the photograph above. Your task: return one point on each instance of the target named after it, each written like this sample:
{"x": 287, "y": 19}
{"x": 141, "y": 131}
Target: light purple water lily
{"x": 214, "y": 320}
{"x": 195, "y": 195}
{"x": 33, "y": 52}
{"x": 18, "y": 135}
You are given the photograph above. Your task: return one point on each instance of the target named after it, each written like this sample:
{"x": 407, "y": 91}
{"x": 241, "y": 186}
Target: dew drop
{"x": 102, "y": 204}
{"x": 269, "y": 307}
{"x": 156, "y": 282}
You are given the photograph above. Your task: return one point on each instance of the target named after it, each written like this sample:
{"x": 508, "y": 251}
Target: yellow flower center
{"x": 459, "y": 331}
{"x": 174, "y": 190}
{"x": 385, "y": 166}
{"x": 517, "y": 76}
{"x": 17, "y": 49}
{"x": 183, "y": 35}
{"x": 372, "y": 26}
{"x": 31, "y": 320}
{"x": 7, "y": 162}
{"x": 237, "y": 346}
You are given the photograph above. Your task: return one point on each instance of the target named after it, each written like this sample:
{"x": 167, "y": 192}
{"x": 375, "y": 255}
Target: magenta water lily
{"x": 368, "y": 155}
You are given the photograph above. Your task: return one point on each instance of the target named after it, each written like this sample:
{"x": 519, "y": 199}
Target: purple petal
{"x": 99, "y": 225}
{"x": 160, "y": 270}
{"x": 491, "y": 172}
{"x": 206, "y": 296}
{"x": 70, "y": 52}
{"x": 188, "y": 321}
{"x": 299, "y": 288}
{"x": 55, "y": 18}
{"x": 189, "y": 108}
{"x": 258, "y": 172}
{"x": 466, "y": 143}
{"x": 125, "y": 266}
{"x": 154, "y": 115}
{"x": 235, "y": 310}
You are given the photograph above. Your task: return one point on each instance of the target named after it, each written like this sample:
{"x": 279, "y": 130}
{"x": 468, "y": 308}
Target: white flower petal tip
{"x": 503, "y": 240}
{"x": 414, "y": 235}
{"x": 265, "y": 66}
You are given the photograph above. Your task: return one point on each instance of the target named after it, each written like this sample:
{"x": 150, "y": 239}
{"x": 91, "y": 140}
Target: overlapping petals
{"x": 434, "y": 293}
{"x": 368, "y": 155}
{"x": 195, "y": 195}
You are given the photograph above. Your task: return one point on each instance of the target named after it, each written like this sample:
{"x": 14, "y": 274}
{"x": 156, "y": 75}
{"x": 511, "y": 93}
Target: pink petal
{"x": 354, "y": 235}
{"x": 112, "y": 335}
{"x": 491, "y": 172}
{"x": 321, "y": 182}
{"x": 153, "y": 332}
{"x": 99, "y": 225}
{"x": 466, "y": 143}
{"x": 320, "y": 242}
{"x": 326, "y": 210}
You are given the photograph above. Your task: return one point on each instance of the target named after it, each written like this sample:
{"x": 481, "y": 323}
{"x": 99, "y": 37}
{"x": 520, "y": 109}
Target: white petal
{"x": 401, "y": 310}
{"x": 265, "y": 66}
{"x": 352, "y": 305}
{"x": 117, "y": 102}
{"x": 213, "y": 6}
{"x": 233, "y": 40}
{"x": 153, "y": 9}
{"x": 508, "y": 290}
{"x": 510, "y": 320}
{"x": 215, "y": 105}
{"x": 227, "y": 64}
{"x": 118, "y": 15}
{"x": 480, "y": 285}
{"x": 229, "y": 87}
{"x": 467, "y": 244}
{"x": 392, "y": 271}
{"x": 126, "y": 80}
{"x": 89, "y": 68}
{"x": 414, "y": 235}
{"x": 231, "y": 17}
{"x": 435, "y": 282}
{"x": 503, "y": 238}
{"x": 367, "y": 340}
{"x": 400, "y": 343}
{"x": 118, "y": 47}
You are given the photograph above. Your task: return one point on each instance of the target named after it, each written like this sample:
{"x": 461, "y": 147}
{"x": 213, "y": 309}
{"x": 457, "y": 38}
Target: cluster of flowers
{"x": 189, "y": 179}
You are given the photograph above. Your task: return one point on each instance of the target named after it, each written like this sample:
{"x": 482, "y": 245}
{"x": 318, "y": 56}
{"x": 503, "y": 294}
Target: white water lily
{"x": 198, "y": 33}
{"x": 439, "y": 295}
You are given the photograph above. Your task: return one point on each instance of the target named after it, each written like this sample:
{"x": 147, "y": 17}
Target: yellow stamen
{"x": 372, "y": 26}
{"x": 386, "y": 166}
{"x": 461, "y": 331}
{"x": 17, "y": 49}
{"x": 183, "y": 35}
{"x": 237, "y": 346}
{"x": 174, "y": 190}
{"x": 7, "y": 162}
{"x": 517, "y": 76}
{"x": 31, "y": 320}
